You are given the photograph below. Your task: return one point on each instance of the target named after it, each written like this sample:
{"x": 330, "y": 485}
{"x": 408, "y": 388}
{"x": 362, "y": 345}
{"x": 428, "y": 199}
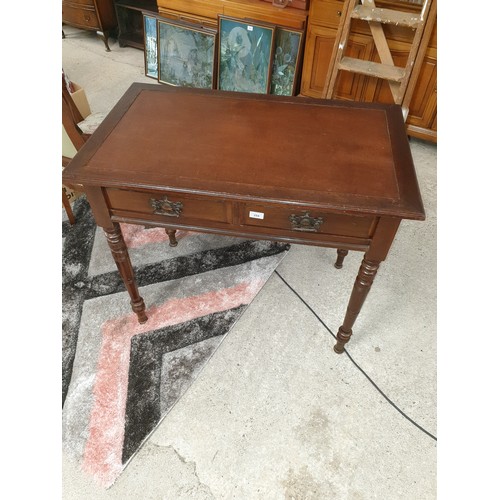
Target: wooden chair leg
{"x": 67, "y": 207}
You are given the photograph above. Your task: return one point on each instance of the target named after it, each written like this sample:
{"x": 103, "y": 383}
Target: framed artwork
{"x": 186, "y": 54}
{"x": 286, "y": 62}
{"x": 245, "y": 55}
{"x": 150, "y": 46}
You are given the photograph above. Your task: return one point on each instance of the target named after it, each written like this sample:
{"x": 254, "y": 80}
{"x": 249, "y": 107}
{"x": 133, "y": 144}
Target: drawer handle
{"x": 166, "y": 207}
{"x": 305, "y": 223}
{"x": 280, "y": 3}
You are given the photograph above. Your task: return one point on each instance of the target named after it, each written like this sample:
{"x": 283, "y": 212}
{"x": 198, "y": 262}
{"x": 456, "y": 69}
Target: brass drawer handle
{"x": 166, "y": 207}
{"x": 305, "y": 223}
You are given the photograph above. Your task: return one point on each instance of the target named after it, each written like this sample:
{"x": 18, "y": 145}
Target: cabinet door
{"x": 319, "y": 46}
{"x": 423, "y": 106}
{"x": 381, "y": 92}
{"x": 421, "y": 120}
{"x": 352, "y": 86}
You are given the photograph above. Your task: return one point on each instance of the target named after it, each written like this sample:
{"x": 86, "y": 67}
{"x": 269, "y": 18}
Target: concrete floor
{"x": 276, "y": 414}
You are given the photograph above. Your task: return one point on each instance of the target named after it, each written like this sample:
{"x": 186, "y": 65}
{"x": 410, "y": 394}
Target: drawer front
{"x": 292, "y": 4}
{"x": 170, "y": 207}
{"x": 180, "y": 16}
{"x": 203, "y": 8}
{"x": 303, "y": 220}
{"x": 84, "y": 16}
{"x": 78, "y": 3}
{"x": 291, "y": 18}
{"x": 319, "y": 46}
{"x": 326, "y": 12}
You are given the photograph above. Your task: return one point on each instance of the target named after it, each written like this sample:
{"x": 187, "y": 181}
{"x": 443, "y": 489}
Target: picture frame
{"x": 287, "y": 58}
{"x": 150, "y": 27}
{"x": 186, "y": 54}
{"x": 245, "y": 55}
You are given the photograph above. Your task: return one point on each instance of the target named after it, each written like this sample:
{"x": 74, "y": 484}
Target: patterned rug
{"x": 121, "y": 378}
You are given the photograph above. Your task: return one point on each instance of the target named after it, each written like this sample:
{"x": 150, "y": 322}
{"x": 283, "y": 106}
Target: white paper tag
{"x": 249, "y": 28}
{"x": 256, "y": 215}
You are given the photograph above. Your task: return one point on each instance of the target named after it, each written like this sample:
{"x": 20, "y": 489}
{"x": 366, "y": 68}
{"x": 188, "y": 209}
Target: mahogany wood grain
{"x": 171, "y": 236}
{"x": 341, "y": 255}
{"x": 362, "y": 286}
{"x": 120, "y": 255}
{"x": 307, "y": 171}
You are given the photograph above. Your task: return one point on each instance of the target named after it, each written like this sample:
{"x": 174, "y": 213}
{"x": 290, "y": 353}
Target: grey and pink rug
{"x": 121, "y": 378}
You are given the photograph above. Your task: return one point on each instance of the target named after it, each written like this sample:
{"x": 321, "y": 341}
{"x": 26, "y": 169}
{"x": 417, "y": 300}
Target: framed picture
{"x": 150, "y": 46}
{"x": 245, "y": 55}
{"x": 186, "y": 54}
{"x": 286, "y": 62}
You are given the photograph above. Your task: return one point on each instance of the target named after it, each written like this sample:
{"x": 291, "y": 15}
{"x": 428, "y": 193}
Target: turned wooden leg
{"x": 341, "y": 254}
{"x": 122, "y": 260}
{"x": 103, "y": 35}
{"x": 171, "y": 237}
{"x": 362, "y": 286}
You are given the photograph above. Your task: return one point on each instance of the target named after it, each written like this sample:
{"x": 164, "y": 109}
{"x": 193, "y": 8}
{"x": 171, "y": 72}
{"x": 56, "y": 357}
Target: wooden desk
{"x": 314, "y": 172}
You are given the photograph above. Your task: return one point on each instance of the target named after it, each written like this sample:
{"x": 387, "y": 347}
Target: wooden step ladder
{"x": 401, "y": 80}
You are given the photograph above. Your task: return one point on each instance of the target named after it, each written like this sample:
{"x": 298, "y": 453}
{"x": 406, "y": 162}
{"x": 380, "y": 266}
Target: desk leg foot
{"x": 341, "y": 254}
{"x": 103, "y": 35}
{"x": 139, "y": 308}
{"x": 362, "y": 285}
{"x": 171, "y": 237}
{"x": 120, "y": 254}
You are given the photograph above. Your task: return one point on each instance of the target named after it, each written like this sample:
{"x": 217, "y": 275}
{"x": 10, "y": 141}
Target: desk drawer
{"x": 84, "y": 16}
{"x": 302, "y": 220}
{"x": 172, "y": 206}
{"x": 189, "y": 18}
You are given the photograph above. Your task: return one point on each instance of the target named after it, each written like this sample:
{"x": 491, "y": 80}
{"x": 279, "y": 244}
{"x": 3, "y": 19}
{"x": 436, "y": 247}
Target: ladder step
{"x": 385, "y": 71}
{"x": 387, "y": 16}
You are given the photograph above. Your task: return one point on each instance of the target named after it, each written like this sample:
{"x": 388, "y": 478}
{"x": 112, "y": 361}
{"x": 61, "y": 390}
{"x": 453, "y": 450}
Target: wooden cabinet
{"x": 130, "y": 22}
{"x": 95, "y": 15}
{"x": 206, "y": 11}
{"x": 324, "y": 17}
